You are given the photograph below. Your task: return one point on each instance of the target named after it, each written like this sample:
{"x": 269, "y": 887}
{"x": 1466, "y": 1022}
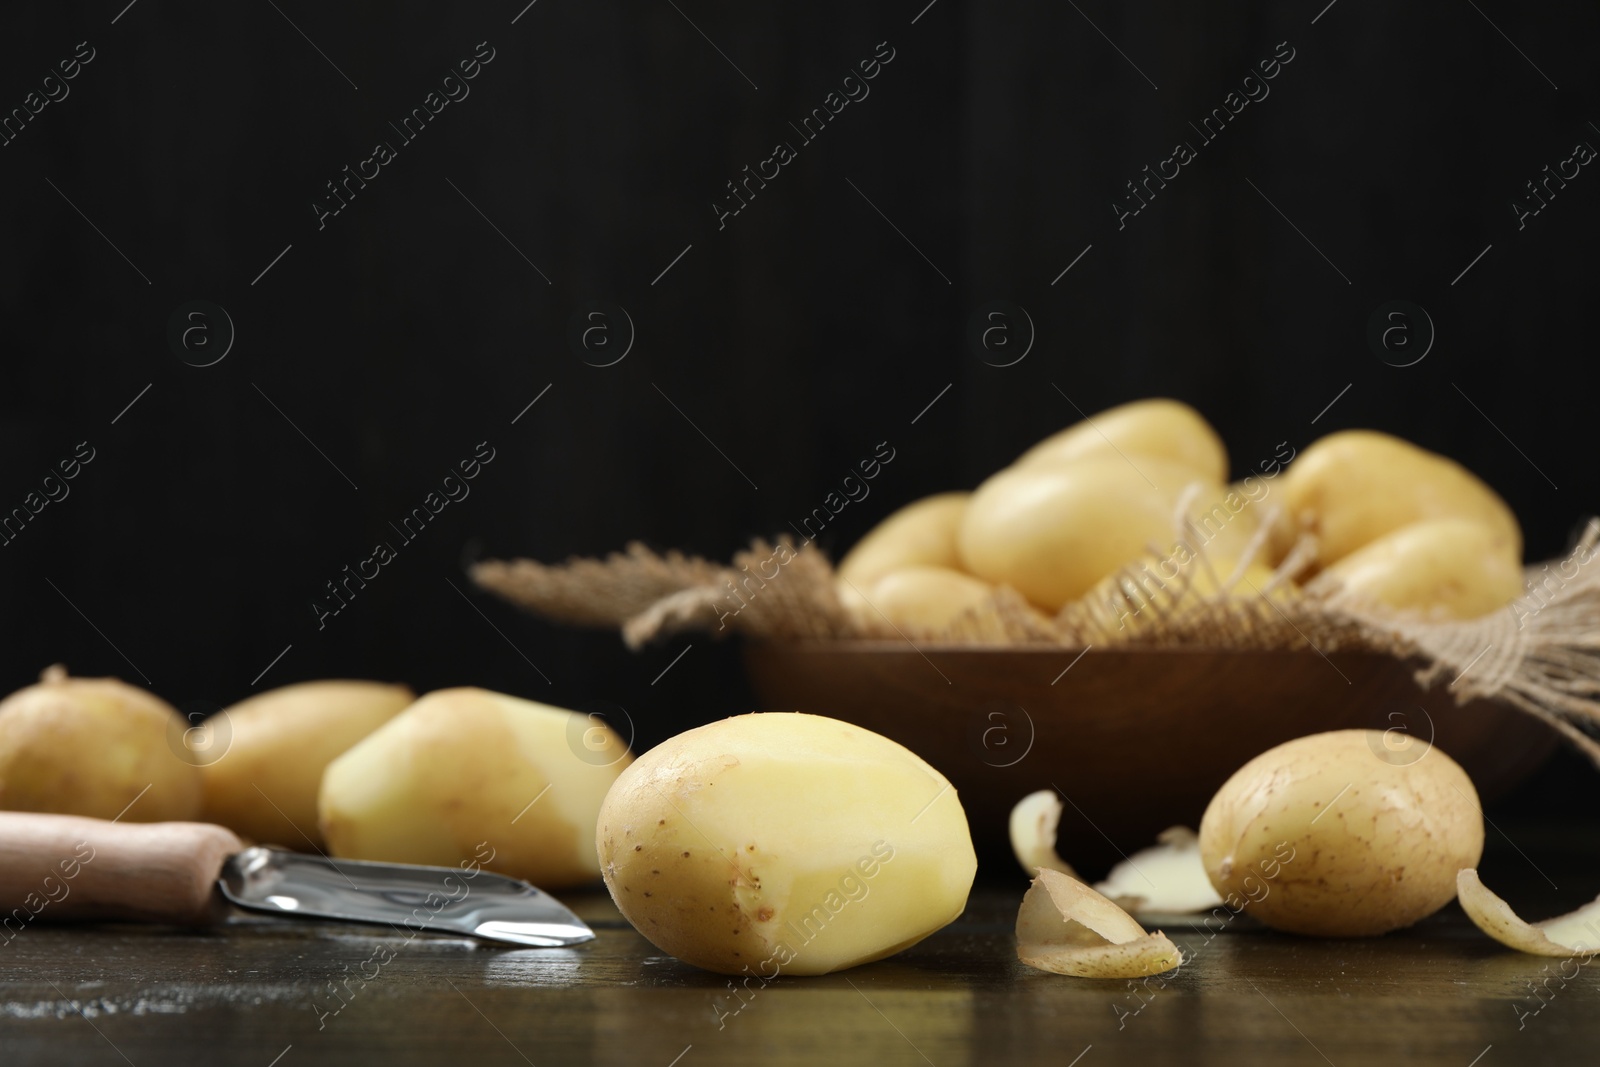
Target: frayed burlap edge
{"x": 1541, "y": 654}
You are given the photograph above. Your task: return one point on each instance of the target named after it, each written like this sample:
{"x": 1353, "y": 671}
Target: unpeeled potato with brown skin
{"x": 1351, "y": 833}
{"x": 927, "y": 598}
{"x": 1161, "y": 429}
{"x": 264, "y": 786}
{"x": 1051, "y": 530}
{"x": 1441, "y": 568}
{"x": 921, "y": 534}
{"x": 97, "y": 747}
{"x": 1353, "y": 487}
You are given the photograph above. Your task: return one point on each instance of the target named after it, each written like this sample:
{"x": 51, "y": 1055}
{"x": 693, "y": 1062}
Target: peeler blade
{"x": 442, "y": 899}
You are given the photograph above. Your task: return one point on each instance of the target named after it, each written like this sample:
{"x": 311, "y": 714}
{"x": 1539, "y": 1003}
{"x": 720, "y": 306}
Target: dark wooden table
{"x": 260, "y": 992}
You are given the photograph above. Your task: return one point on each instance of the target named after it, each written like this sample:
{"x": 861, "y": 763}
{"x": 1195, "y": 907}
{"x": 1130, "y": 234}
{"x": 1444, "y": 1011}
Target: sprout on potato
{"x": 784, "y": 843}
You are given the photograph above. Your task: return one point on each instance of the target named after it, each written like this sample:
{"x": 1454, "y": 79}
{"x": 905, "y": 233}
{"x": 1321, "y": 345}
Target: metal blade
{"x": 445, "y": 899}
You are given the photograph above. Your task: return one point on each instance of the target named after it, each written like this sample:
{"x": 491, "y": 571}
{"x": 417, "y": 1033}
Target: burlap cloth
{"x": 1541, "y": 654}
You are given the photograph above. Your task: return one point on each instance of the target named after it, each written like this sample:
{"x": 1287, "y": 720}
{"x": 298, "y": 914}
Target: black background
{"x": 820, "y": 321}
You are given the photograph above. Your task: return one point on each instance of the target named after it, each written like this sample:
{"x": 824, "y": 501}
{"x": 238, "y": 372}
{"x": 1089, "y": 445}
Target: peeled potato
{"x": 784, "y": 843}
{"x": 94, "y": 746}
{"x": 921, "y": 534}
{"x": 1455, "y": 568}
{"x": 1052, "y": 530}
{"x": 463, "y": 768}
{"x": 1161, "y": 429}
{"x": 264, "y": 786}
{"x": 1351, "y": 488}
{"x": 1351, "y": 833}
{"x": 927, "y": 598}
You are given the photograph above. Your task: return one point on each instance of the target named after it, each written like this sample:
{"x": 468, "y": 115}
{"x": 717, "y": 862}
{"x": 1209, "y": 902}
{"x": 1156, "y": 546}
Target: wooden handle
{"x": 68, "y": 867}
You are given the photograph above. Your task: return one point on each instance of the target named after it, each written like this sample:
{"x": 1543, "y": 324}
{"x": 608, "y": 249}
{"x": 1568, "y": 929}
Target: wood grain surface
{"x": 260, "y": 991}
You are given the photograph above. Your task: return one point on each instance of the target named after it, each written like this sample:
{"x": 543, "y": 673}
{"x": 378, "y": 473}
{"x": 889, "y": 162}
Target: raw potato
{"x": 94, "y": 746}
{"x": 1167, "y": 475}
{"x": 784, "y": 843}
{"x": 927, "y": 598}
{"x": 1163, "y": 429}
{"x": 1217, "y": 518}
{"x": 1351, "y": 488}
{"x": 1065, "y": 927}
{"x": 1576, "y": 933}
{"x": 855, "y": 601}
{"x": 1343, "y": 834}
{"x": 466, "y": 769}
{"x": 1449, "y": 568}
{"x": 921, "y": 534}
{"x": 1052, "y": 530}
{"x": 1220, "y": 553}
{"x": 264, "y": 786}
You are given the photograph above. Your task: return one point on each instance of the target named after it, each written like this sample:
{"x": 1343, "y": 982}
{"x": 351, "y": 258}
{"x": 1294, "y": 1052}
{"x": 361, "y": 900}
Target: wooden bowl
{"x": 1136, "y": 739}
